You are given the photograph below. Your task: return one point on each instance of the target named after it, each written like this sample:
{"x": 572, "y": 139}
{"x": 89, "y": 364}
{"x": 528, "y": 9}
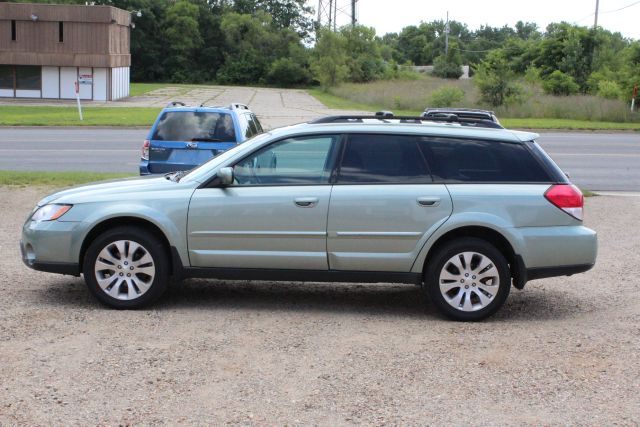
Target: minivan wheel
{"x": 126, "y": 267}
{"x": 468, "y": 279}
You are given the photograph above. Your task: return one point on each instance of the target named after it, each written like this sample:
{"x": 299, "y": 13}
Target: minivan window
{"x": 466, "y": 160}
{"x": 299, "y": 160}
{"x": 195, "y": 126}
{"x": 383, "y": 159}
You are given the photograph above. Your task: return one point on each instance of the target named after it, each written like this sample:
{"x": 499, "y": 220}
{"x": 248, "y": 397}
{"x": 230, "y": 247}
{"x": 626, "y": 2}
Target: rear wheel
{"x": 126, "y": 267}
{"x": 468, "y": 279}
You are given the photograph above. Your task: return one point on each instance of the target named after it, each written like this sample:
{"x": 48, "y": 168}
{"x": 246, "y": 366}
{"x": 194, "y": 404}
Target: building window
{"x": 13, "y": 29}
{"x": 28, "y": 77}
{"x": 61, "y": 31}
{"x": 6, "y": 77}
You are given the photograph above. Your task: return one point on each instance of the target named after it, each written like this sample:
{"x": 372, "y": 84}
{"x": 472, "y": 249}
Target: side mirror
{"x": 225, "y": 175}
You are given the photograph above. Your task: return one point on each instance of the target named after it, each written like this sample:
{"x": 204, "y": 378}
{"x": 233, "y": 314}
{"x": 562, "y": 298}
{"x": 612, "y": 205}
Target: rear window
{"x": 464, "y": 160}
{"x": 195, "y": 126}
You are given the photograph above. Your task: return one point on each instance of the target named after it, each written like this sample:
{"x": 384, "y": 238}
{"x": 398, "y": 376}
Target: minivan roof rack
{"x": 175, "y": 104}
{"x": 385, "y": 116}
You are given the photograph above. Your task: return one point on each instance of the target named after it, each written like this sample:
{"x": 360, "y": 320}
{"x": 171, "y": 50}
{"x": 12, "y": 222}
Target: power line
{"x": 608, "y": 11}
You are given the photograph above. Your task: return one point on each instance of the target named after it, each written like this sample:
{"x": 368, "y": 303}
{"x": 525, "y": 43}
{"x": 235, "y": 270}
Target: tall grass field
{"x": 417, "y": 94}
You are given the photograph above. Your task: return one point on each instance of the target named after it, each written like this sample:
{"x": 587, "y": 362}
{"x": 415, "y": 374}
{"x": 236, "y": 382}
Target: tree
{"x": 182, "y": 36}
{"x": 364, "y": 53}
{"x": 559, "y": 83}
{"x": 329, "y": 59}
{"x": 495, "y": 79}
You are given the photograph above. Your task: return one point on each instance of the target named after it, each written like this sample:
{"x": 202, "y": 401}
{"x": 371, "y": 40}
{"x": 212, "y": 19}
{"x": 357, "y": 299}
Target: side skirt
{"x": 302, "y": 275}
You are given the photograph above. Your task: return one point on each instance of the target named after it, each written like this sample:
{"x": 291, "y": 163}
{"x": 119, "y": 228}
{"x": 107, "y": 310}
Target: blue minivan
{"x": 184, "y": 137}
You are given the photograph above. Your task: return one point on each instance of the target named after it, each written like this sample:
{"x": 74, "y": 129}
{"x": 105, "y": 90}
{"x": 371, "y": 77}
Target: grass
{"x": 55, "y": 179}
{"x": 177, "y": 89}
{"x": 338, "y": 103}
{"x": 68, "y": 116}
{"x": 536, "y": 111}
{"x": 568, "y": 124}
{"x": 137, "y": 89}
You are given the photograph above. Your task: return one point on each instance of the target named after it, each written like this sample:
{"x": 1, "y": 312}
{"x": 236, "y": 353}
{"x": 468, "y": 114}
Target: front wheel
{"x": 468, "y": 279}
{"x": 126, "y": 267}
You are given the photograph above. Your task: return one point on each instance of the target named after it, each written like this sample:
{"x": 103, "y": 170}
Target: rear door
{"x": 384, "y": 204}
{"x": 183, "y": 139}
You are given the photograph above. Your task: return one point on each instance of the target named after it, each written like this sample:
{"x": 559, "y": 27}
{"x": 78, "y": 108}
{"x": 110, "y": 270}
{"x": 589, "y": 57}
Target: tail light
{"x": 145, "y": 149}
{"x": 567, "y": 197}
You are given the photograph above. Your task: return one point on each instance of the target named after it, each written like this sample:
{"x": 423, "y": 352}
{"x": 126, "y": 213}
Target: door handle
{"x": 306, "y": 202}
{"x": 428, "y": 201}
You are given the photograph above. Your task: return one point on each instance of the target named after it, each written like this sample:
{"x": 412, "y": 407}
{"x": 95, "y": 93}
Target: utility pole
{"x": 595, "y": 22}
{"x": 353, "y": 13}
{"x": 446, "y": 37}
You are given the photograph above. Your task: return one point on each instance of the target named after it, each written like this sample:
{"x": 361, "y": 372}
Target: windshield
{"x": 194, "y": 126}
{"x": 203, "y": 172}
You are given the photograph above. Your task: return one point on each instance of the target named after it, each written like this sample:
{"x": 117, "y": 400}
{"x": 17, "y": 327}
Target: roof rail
{"x": 383, "y": 116}
{"x": 238, "y": 106}
{"x": 175, "y": 103}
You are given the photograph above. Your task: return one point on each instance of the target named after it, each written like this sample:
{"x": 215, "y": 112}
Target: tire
{"x": 468, "y": 279}
{"x": 131, "y": 281}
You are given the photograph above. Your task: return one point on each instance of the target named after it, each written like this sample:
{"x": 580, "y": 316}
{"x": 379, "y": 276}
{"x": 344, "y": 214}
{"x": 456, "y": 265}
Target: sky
{"x": 392, "y": 15}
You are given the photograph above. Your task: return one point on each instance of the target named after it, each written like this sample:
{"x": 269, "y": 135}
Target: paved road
{"x": 595, "y": 161}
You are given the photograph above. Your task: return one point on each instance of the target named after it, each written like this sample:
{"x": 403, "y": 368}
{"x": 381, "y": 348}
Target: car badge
{"x": 192, "y": 144}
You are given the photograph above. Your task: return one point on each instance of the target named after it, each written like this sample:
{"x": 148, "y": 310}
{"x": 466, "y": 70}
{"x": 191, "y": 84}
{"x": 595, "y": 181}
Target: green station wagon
{"x": 463, "y": 210}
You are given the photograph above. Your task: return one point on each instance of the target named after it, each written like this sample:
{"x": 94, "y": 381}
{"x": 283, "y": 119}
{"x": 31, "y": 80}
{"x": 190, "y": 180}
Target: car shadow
{"x": 365, "y": 299}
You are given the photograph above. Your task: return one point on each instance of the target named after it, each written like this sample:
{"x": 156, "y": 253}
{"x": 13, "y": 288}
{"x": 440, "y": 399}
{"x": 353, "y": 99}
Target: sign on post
{"x": 78, "y": 99}
{"x": 85, "y": 79}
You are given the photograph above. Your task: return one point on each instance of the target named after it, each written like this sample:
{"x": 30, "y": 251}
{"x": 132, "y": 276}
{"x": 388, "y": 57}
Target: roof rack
{"x": 385, "y": 116}
{"x": 238, "y": 106}
{"x": 175, "y": 104}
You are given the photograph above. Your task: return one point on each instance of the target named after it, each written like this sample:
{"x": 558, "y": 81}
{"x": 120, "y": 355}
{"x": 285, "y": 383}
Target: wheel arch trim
{"x": 472, "y": 224}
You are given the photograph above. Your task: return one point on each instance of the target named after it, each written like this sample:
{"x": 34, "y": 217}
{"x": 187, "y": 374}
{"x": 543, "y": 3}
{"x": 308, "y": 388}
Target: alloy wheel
{"x": 124, "y": 269}
{"x": 469, "y": 281}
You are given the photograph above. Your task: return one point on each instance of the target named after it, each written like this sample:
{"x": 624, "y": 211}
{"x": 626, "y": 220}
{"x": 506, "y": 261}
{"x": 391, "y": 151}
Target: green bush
{"x": 559, "y": 83}
{"x": 446, "y": 69}
{"x": 447, "y": 96}
{"x": 495, "y": 80}
{"x": 287, "y": 72}
{"x": 609, "y": 90}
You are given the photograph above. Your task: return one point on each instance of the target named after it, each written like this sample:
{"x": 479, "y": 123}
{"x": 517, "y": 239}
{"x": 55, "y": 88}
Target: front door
{"x": 275, "y": 213}
{"x": 384, "y": 205}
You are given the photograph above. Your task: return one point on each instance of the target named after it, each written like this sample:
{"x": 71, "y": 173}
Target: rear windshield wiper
{"x": 175, "y": 176}
{"x": 206, "y": 139}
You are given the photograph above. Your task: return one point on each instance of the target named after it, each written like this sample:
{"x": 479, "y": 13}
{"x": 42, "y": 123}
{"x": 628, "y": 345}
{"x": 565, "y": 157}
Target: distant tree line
{"x": 276, "y": 42}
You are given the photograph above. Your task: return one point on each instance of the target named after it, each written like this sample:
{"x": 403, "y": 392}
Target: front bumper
{"x": 72, "y": 269}
{"x": 47, "y": 246}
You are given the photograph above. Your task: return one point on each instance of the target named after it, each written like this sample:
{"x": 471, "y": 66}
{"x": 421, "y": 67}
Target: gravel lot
{"x": 564, "y": 351}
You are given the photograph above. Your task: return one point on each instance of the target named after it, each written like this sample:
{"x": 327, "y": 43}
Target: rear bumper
{"x": 151, "y": 168}
{"x": 546, "y": 248}
{"x": 562, "y": 270}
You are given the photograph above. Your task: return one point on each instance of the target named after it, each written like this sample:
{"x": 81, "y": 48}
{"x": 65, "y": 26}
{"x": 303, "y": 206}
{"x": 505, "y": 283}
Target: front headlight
{"x": 50, "y": 212}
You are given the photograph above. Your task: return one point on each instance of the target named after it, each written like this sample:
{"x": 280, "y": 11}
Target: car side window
{"x": 467, "y": 160}
{"x": 383, "y": 159}
{"x": 292, "y": 161}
